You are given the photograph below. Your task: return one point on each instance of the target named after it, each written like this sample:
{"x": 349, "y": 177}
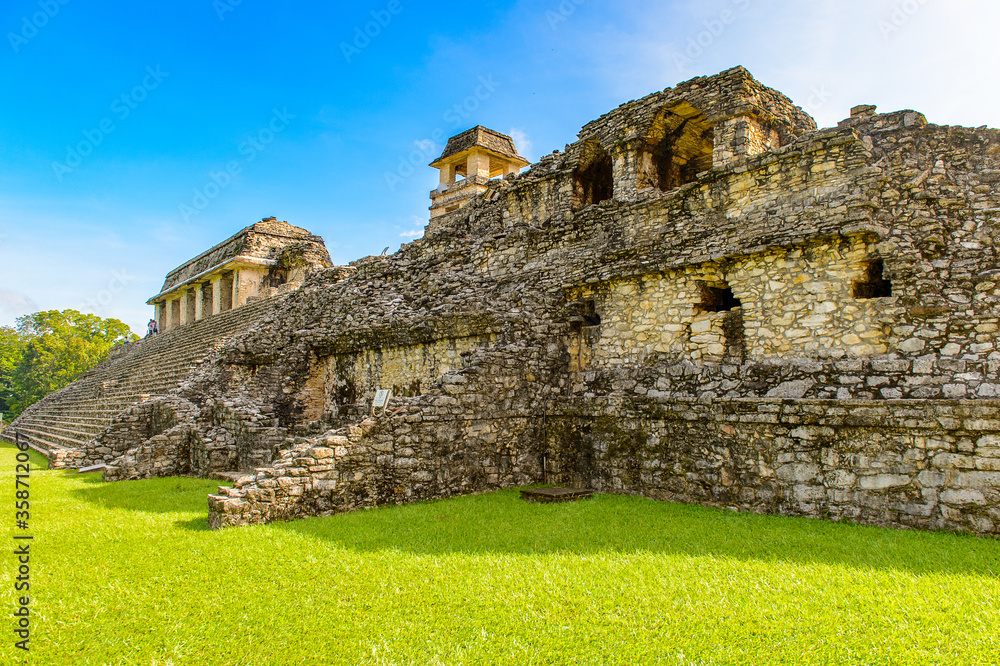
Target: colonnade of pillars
{"x": 197, "y": 302}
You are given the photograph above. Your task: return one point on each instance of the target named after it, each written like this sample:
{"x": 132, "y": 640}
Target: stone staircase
{"x": 63, "y": 421}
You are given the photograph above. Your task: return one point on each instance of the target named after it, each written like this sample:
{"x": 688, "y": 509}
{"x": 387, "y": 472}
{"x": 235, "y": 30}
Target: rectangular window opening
{"x": 718, "y": 299}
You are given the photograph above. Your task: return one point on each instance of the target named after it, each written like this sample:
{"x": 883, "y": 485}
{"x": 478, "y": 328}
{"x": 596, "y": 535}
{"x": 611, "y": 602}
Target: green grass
{"x": 128, "y": 573}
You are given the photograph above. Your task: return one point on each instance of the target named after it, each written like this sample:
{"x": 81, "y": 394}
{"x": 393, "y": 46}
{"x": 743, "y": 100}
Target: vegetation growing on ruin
{"x": 128, "y": 573}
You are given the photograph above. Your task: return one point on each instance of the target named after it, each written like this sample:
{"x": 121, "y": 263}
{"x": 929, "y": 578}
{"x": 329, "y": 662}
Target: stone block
{"x": 841, "y": 479}
{"x": 813, "y": 433}
{"x": 929, "y": 479}
{"x": 954, "y": 391}
{"x": 807, "y": 493}
{"x": 912, "y": 345}
{"x": 884, "y": 481}
{"x": 962, "y": 497}
{"x": 798, "y": 472}
{"x": 791, "y": 389}
{"x": 953, "y": 461}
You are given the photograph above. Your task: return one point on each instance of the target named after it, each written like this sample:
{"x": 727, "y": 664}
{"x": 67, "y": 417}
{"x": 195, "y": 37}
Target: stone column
{"x": 447, "y": 176}
{"x": 198, "y": 314}
{"x": 184, "y": 308}
{"x": 478, "y": 165}
{"x": 729, "y": 140}
{"x": 626, "y": 164}
{"x": 216, "y": 295}
{"x": 168, "y": 316}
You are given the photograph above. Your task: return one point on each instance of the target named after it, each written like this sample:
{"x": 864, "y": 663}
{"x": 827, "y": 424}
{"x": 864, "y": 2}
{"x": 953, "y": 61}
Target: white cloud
{"x": 426, "y": 146}
{"x": 14, "y": 304}
{"x": 935, "y": 57}
{"x": 418, "y": 227}
{"x": 522, "y": 143}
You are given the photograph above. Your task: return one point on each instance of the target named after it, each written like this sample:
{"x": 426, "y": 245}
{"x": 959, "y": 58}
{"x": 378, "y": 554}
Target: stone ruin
{"x": 263, "y": 259}
{"x": 704, "y": 299}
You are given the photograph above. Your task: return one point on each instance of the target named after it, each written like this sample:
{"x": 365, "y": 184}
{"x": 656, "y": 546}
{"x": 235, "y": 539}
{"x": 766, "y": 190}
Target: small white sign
{"x": 381, "y": 398}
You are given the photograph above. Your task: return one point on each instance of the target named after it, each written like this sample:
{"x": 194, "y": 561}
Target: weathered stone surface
{"x": 792, "y": 389}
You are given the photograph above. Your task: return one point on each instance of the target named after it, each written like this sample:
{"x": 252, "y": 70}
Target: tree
{"x": 56, "y": 347}
{"x": 11, "y": 348}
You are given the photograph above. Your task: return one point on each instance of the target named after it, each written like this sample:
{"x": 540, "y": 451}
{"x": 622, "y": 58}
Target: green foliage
{"x": 127, "y": 573}
{"x": 48, "y": 350}
{"x": 11, "y": 348}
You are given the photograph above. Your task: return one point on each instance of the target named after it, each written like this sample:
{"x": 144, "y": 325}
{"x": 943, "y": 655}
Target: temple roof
{"x": 260, "y": 243}
{"x": 482, "y": 137}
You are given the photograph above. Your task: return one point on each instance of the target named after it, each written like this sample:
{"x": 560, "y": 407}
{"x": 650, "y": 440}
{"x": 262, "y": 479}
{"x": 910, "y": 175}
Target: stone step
{"x": 555, "y": 494}
{"x": 152, "y": 366}
{"x": 66, "y": 432}
{"x": 56, "y": 441}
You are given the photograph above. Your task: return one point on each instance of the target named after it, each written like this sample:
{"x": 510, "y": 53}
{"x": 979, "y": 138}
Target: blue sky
{"x": 134, "y": 135}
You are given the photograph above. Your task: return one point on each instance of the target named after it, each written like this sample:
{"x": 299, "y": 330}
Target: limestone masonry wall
{"x": 931, "y": 466}
{"x": 353, "y": 378}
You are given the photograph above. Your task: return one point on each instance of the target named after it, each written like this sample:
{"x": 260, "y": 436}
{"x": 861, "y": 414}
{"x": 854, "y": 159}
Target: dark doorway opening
{"x": 873, "y": 284}
{"x": 594, "y": 181}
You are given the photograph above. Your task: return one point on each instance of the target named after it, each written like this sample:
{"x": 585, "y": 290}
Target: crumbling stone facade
{"x": 704, "y": 299}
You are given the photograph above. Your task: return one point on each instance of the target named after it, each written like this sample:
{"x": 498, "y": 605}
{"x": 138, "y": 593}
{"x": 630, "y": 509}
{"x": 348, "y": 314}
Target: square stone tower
{"x": 476, "y": 155}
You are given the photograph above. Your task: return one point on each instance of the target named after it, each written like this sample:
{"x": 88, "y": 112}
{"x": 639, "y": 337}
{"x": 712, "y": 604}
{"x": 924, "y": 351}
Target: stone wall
{"x": 153, "y": 438}
{"x": 352, "y": 379}
{"x": 169, "y": 436}
{"x": 898, "y": 463}
{"x": 923, "y": 378}
{"x": 475, "y": 429}
{"x": 793, "y": 302}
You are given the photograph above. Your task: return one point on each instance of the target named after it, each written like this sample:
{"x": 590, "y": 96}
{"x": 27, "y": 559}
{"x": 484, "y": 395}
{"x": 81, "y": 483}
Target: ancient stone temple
{"x": 258, "y": 261}
{"x": 704, "y": 299}
{"x": 204, "y": 302}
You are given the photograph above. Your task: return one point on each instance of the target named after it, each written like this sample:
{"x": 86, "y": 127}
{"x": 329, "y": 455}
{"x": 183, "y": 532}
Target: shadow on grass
{"x": 502, "y": 523}
{"x": 166, "y": 495}
{"x": 37, "y": 460}
{"x": 195, "y": 524}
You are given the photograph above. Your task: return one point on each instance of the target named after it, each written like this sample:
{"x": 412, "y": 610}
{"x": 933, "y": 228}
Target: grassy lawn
{"x": 129, "y": 574}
